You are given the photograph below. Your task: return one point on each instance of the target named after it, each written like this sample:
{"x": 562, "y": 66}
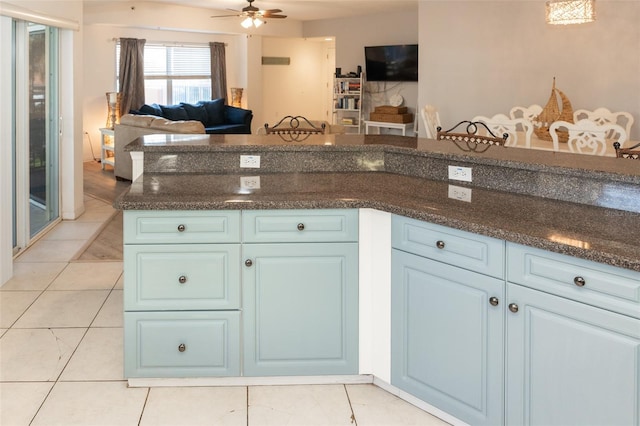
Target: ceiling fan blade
{"x": 274, "y": 16}
{"x": 271, "y": 11}
{"x": 224, "y": 16}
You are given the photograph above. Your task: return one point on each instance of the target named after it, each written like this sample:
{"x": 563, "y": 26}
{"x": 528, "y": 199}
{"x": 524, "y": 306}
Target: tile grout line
{"x": 353, "y": 415}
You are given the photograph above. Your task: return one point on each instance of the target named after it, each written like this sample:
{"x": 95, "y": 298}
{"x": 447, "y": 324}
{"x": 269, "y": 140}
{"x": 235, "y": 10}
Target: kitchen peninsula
{"x": 439, "y": 290}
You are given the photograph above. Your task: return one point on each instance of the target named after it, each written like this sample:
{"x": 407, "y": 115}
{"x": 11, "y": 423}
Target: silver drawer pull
{"x": 513, "y": 307}
{"x": 182, "y": 279}
{"x": 493, "y": 301}
{"x": 181, "y": 228}
{"x": 182, "y": 347}
{"x": 579, "y": 281}
{"x": 301, "y": 227}
{"x": 440, "y": 244}
{"x": 248, "y": 263}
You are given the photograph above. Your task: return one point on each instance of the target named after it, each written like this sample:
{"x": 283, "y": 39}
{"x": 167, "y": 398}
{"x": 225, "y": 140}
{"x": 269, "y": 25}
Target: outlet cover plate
{"x": 250, "y": 161}
{"x": 460, "y": 173}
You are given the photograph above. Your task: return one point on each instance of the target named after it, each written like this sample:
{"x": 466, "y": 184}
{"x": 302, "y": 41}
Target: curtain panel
{"x": 131, "y": 74}
{"x": 218, "y": 71}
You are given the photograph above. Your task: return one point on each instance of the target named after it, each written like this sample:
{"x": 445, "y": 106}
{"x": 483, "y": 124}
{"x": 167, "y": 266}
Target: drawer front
{"x": 177, "y": 227}
{"x": 181, "y": 277}
{"x": 474, "y": 252}
{"x": 597, "y": 284}
{"x": 181, "y": 344}
{"x": 299, "y": 226}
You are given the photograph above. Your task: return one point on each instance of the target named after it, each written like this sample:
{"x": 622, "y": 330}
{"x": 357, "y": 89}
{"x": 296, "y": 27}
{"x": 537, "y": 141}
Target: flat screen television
{"x": 391, "y": 63}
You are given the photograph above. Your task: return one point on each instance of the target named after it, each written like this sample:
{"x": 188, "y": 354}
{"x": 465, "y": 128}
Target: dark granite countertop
{"x": 584, "y": 230}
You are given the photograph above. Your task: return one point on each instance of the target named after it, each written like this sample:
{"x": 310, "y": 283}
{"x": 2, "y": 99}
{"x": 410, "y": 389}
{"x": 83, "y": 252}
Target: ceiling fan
{"x": 254, "y": 16}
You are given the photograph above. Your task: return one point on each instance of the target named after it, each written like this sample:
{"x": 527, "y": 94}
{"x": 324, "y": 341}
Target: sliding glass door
{"x": 35, "y": 142}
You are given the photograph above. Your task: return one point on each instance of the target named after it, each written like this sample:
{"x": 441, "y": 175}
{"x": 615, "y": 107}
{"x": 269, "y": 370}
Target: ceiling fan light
{"x": 247, "y": 22}
{"x": 257, "y": 22}
{"x": 566, "y": 12}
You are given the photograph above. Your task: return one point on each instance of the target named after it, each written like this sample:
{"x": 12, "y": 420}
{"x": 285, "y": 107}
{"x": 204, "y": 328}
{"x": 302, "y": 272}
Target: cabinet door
{"x": 300, "y": 305}
{"x": 569, "y": 363}
{"x": 447, "y": 337}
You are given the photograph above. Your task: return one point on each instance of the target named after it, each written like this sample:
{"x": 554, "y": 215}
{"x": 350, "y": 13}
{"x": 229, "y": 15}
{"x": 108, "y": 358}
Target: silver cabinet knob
{"x": 248, "y": 263}
{"x": 182, "y": 347}
{"x": 182, "y": 279}
{"x": 181, "y": 228}
{"x": 493, "y": 301}
{"x": 579, "y": 281}
{"x": 513, "y": 307}
{"x": 301, "y": 227}
{"x": 440, "y": 244}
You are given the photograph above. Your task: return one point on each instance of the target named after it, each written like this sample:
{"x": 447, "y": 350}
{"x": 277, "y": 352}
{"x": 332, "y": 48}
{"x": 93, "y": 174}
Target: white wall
{"x": 353, "y": 34}
{"x": 484, "y": 57}
{"x": 298, "y": 88}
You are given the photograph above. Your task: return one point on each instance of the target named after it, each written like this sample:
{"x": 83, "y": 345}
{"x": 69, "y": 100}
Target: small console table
{"x": 107, "y": 147}
{"x": 384, "y": 124}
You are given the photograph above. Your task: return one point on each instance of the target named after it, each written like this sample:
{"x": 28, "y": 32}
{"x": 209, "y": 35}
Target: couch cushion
{"x": 215, "y": 112}
{"x": 177, "y": 126}
{"x": 153, "y": 109}
{"x": 137, "y": 120}
{"x": 196, "y": 112}
{"x": 174, "y": 112}
{"x": 228, "y": 129}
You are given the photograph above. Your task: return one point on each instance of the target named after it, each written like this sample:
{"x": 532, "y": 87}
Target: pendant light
{"x": 566, "y": 12}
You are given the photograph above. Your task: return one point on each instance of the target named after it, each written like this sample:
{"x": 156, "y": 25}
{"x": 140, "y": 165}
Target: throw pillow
{"x": 196, "y": 112}
{"x": 174, "y": 112}
{"x": 215, "y": 111}
{"x": 153, "y": 109}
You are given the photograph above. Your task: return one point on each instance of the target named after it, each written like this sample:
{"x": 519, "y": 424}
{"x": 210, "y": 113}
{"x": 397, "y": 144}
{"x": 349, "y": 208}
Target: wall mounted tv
{"x": 391, "y": 63}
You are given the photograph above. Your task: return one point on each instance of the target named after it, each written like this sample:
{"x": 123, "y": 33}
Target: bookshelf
{"x": 347, "y": 102}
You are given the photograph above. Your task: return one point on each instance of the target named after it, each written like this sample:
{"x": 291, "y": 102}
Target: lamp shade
{"x": 566, "y": 12}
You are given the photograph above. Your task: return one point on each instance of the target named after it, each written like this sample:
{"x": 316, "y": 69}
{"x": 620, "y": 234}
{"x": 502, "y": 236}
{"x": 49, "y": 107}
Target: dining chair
{"x": 295, "y": 125}
{"x": 500, "y": 124}
{"x": 475, "y": 134}
{"x": 431, "y": 120}
{"x": 586, "y": 136}
{"x": 528, "y": 113}
{"x": 632, "y": 153}
{"x": 603, "y": 115}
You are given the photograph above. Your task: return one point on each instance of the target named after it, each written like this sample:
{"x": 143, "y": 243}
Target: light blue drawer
{"x": 181, "y": 227}
{"x": 181, "y": 344}
{"x": 474, "y": 252}
{"x": 597, "y": 284}
{"x": 181, "y": 277}
{"x": 284, "y": 226}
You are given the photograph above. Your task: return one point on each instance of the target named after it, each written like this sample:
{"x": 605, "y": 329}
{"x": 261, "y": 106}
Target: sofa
{"x": 132, "y": 126}
{"x": 214, "y": 115}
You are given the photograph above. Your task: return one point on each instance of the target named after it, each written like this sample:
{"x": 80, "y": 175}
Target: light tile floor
{"x": 61, "y": 356}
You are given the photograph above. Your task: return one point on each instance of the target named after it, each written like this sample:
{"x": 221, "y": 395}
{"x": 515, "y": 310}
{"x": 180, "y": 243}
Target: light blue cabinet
{"x": 569, "y": 361}
{"x": 447, "y": 327}
{"x": 300, "y": 309}
{"x": 300, "y": 292}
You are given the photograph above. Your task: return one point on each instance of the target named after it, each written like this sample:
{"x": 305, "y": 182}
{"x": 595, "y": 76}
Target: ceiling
{"x": 303, "y": 10}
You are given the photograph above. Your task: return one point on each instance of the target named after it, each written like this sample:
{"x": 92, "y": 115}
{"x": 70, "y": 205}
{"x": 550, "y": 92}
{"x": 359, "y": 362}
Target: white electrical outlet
{"x": 250, "y": 182}
{"x": 250, "y": 161}
{"x": 460, "y": 173}
{"x": 460, "y": 193}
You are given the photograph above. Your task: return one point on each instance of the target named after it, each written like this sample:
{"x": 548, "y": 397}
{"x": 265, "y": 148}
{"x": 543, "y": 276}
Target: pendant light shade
{"x": 566, "y": 12}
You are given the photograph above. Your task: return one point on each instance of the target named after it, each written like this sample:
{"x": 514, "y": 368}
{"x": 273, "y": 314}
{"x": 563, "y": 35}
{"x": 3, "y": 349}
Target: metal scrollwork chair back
{"x": 471, "y": 136}
{"x": 295, "y": 125}
{"x": 633, "y": 152}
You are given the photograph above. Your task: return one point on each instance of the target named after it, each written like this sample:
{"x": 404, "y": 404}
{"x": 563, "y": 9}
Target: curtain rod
{"x": 170, "y": 43}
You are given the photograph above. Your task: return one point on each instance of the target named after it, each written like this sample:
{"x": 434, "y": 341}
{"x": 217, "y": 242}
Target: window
{"x": 174, "y": 74}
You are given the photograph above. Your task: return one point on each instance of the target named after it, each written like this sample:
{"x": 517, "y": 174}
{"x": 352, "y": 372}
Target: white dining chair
{"x": 586, "y": 136}
{"x": 603, "y": 115}
{"x": 431, "y": 120}
{"x": 528, "y": 113}
{"x": 500, "y": 124}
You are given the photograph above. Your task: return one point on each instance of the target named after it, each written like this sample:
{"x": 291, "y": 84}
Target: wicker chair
{"x": 471, "y": 136}
{"x": 632, "y": 153}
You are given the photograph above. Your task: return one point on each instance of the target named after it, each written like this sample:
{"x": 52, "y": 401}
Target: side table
{"x": 383, "y": 124}
{"x": 107, "y": 147}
